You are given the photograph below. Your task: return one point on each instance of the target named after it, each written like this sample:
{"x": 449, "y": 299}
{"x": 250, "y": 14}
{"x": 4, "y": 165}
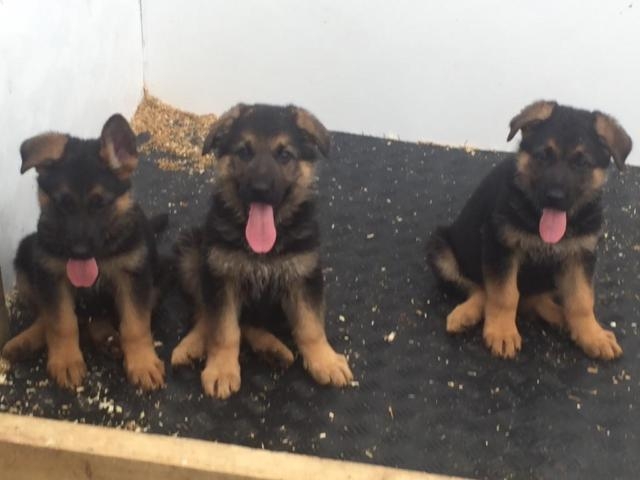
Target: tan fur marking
{"x": 325, "y": 365}
{"x": 535, "y": 112}
{"x": 39, "y": 150}
{"x": 268, "y": 346}
{"x": 192, "y": 347}
{"x": 123, "y": 167}
{"x": 468, "y": 313}
{"x": 65, "y": 362}
{"x": 259, "y": 271}
{"x": 123, "y": 203}
{"x": 115, "y": 268}
{"x": 26, "y": 343}
{"x": 221, "y": 375}
{"x": 544, "y": 307}
{"x": 578, "y": 305}
{"x": 43, "y": 198}
{"x": 302, "y": 190}
{"x": 599, "y": 178}
{"x": 307, "y": 122}
{"x": 500, "y": 330}
{"x": 447, "y": 266}
{"x": 532, "y": 245}
{"x": 616, "y": 138}
{"x": 141, "y": 364}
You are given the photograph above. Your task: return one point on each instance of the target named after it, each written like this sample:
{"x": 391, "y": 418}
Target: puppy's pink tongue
{"x": 261, "y": 228}
{"x": 553, "y": 225}
{"x": 82, "y": 273}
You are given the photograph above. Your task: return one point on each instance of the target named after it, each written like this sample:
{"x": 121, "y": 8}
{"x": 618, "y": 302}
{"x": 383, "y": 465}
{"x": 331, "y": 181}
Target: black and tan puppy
{"x": 527, "y": 236}
{"x": 259, "y": 245}
{"x": 93, "y": 247}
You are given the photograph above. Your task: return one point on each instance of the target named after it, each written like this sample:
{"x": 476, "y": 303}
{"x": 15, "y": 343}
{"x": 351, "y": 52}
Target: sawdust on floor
{"x": 176, "y": 136}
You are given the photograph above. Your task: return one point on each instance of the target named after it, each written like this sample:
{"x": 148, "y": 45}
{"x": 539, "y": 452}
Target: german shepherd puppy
{"x": 528, "y": 234}
{"x": 93, "y": 246}
{"x": 259, "y": 244}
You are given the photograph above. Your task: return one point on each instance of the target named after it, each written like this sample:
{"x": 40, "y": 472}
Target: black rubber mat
{"x": 423, "y": 399}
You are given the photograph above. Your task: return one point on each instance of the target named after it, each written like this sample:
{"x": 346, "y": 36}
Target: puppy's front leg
{"x": 576, "y": 290}
{"x": 141, "y": 363}
{"x": 304, "y": 307}
{"x": 221, "y": 311}
{"x": 65, "y": 362}
{"x": 500, "y": 272}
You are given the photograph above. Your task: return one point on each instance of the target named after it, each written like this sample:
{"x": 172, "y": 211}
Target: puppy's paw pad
{"x": 329, "y": 369}
{"x": 504, "y": 344}
{"x": 221, "y": 381}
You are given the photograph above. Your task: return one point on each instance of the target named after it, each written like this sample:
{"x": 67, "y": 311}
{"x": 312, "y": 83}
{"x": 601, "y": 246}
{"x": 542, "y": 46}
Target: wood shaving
{"x": 174, "y": 134}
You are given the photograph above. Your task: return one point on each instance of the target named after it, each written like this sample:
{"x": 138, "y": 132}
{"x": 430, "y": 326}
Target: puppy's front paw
{"x": 503, "y": 343}
{"x": 143, "y": 368}
{"x": 599, "y": 343}
{"x": 326, "y": 366}
{"x": 67, "y": 368}
{"x": 221, "y": 377}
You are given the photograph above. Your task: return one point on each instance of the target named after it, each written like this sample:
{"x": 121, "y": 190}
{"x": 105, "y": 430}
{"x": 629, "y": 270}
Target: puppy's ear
{"x": 220, "y": 129}
{"x": 531, "y": 114}
{"x": 617, "y": 141}
{"x": 313, "y": 129}
{"x": 42, "y": 150}
{"x": 118, "y": 146}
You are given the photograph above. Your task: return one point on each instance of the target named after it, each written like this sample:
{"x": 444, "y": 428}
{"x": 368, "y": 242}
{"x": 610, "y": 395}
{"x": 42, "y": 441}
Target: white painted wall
{"x": 448, "y": 71}
{"x": 64, "y": 65}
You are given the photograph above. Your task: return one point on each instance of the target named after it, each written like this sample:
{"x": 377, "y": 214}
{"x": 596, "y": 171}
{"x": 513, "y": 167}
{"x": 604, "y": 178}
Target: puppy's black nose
{"x": 556, "y": 197}
{"x": 80, "y": 250}
{"x": 261, "y": 189}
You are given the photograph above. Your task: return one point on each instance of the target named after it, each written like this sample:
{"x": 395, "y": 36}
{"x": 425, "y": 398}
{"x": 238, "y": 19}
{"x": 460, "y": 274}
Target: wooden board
{"x": 39, "y": 449}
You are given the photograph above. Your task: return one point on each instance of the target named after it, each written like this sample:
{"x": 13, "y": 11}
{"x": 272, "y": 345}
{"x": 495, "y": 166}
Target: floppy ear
{"x": 42, "y": 150}
{"x": 534, "y": 113}
{"x": 312, "y": 127}
{"x": 220, "y": 129}
{"x": 617, "y": 141}
{"x": 118, "y": 146}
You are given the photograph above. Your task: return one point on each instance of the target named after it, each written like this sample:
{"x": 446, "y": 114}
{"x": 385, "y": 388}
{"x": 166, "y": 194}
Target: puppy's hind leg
{"x": 444, "y": 263}
{"x": 268, "y": 346}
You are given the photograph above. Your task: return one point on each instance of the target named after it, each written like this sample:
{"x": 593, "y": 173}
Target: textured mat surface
{"x": 424, "y": 400}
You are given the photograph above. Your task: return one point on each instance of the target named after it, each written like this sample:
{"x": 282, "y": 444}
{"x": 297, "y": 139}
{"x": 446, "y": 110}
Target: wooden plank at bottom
{"x": 40, "y": 449}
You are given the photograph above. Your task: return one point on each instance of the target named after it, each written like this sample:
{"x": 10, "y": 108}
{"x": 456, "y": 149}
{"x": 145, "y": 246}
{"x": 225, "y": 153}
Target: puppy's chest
{"x": 257, "y": 275}
{"x": 532, "y": 249}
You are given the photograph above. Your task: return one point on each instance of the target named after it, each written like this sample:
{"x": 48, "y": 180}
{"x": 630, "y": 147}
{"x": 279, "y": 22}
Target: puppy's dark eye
{"x": 546, "y": 154}
{"x": 66, "y": 202}
{"x": 284, "y": 155}
{"x": 244, "y": 152}
{"x": 579, "y": 160}
{"x": 97, "y": 202}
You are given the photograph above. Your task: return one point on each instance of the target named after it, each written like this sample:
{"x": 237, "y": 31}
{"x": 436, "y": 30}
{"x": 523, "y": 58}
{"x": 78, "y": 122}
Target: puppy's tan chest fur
{"x": 532, "y": 247}
{"x": 260, "y": 273}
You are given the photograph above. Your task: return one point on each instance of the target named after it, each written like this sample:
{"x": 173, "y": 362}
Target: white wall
{"x": 64, "y": 65}
{"x": 452, "y": 72}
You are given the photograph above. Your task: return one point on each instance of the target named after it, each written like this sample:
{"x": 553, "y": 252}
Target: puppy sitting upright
{"x": 93, "y": 246}
{"x": 528, "y": 234}
{"x": 258, "y": 247}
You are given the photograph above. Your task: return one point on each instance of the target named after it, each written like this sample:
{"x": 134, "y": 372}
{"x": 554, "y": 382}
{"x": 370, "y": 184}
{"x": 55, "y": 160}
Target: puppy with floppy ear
{"x": 258, "y": 246}
{"x": 539, "y": 217}
{"x": 94, "y": 246}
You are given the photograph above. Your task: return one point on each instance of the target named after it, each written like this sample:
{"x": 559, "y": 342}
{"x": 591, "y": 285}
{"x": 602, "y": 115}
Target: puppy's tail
{"x": 442, "y": 260}
{"x": 159, "y": 223}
